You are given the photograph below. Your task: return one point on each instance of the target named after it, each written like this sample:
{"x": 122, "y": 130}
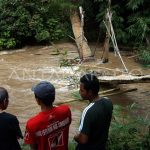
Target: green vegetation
{"x": 144, "y": 56}
{"x": 130, "y": 19}
{"x": 31, "y": 21}
{"x": 72, "y": 145}
{"x": 25, "y": 22}
{"x": 24, "y": 146}
{"x": 126, "y": 132}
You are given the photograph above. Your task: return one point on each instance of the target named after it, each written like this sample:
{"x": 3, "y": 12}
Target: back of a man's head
{"x": 45, "y": 92}
{"x": 90, "y": 82}
{"x": 3, "y": 94}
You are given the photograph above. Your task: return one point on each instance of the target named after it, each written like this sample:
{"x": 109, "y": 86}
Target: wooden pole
{"x": 108, "y": 91}
{"x": 121, "y": 92}
{"x": 102, "y": 92}
{"x": 103, "y": 95}
{"x": 105, "y": 56}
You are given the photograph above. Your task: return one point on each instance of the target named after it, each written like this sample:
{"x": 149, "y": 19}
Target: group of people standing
{"x": 49, "y": 129}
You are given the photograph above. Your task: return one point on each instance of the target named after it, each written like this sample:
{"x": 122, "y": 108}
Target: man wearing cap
{"x": 96, "y": 117}
{"x": 49, "y": 129}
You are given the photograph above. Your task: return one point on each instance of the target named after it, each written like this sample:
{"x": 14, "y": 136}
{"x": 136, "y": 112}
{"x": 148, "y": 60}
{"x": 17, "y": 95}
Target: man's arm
{"x": 81, "y": 138}
{"x": 30, "y": 139}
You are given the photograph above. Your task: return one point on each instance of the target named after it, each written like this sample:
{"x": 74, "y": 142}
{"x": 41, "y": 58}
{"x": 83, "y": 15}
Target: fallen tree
{"x": 82, "y": 44}
{"x": 124, "y": 79}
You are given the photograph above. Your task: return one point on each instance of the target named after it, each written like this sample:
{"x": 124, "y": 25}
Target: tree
{"x": 139, "y": 21}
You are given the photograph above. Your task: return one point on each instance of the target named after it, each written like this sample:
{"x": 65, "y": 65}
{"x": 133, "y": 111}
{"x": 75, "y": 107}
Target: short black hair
{"x": 3, "y": 94}
{"x": 90, "y": 82}
{"x": 47, "y": 101}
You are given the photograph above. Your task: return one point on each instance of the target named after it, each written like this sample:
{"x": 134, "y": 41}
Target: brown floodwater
{"x": 21, "y": 69}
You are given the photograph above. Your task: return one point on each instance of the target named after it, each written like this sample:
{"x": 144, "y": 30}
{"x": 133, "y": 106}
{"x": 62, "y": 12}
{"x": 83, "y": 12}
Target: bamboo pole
{"x": 121, "y": 92}
{"x": 104, "y": 95}
{"x": 102, "y": 92}
{"x": 108, "y": 91}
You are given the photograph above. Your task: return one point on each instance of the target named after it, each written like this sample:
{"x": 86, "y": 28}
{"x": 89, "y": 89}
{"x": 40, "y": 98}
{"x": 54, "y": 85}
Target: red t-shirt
{"x": 49, "y": 129}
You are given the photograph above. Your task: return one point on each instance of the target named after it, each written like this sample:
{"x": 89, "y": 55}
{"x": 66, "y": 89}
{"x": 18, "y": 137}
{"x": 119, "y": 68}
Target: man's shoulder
{"x": 9, "y": 116}
{"x": 62, "y": 108}
{"x": 89, "y": 109}
{"x": 94, "y": 107}
{"x": 107, "y": 101}
{"x": 34, "y": 119}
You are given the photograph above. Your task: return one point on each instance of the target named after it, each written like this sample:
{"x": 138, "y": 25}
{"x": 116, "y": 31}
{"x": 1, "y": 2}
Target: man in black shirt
{"x": 96, "y": 117}
{"x": 9, "y": 126}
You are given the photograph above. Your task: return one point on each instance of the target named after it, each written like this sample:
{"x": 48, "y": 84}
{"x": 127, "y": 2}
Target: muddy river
{"x": 21, "y": 69}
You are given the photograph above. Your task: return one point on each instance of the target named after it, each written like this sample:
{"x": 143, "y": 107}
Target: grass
{"x": 126, "y": 131}
{"x": 27, "y": 147}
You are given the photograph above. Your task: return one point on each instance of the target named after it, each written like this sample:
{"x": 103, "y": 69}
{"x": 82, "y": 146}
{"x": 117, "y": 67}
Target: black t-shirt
{"x": 95, "y": 122}
{"x": 9, "y": 132}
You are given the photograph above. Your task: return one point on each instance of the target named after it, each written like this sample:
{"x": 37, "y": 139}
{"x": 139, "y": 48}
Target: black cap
{"x": 44, "y": 90}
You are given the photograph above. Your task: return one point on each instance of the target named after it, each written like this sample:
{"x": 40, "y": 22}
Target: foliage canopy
{"x": 23, "y": 21}
{"x": 29, "y": 21}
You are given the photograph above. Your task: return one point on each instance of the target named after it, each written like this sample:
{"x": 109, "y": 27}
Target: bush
{"x": 144, "y": 55}
{"x": 128, "y": 133}
{"x": 21, "y": 20}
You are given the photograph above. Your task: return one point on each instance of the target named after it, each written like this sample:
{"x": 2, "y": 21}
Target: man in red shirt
{"x": 49, "y": 129}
